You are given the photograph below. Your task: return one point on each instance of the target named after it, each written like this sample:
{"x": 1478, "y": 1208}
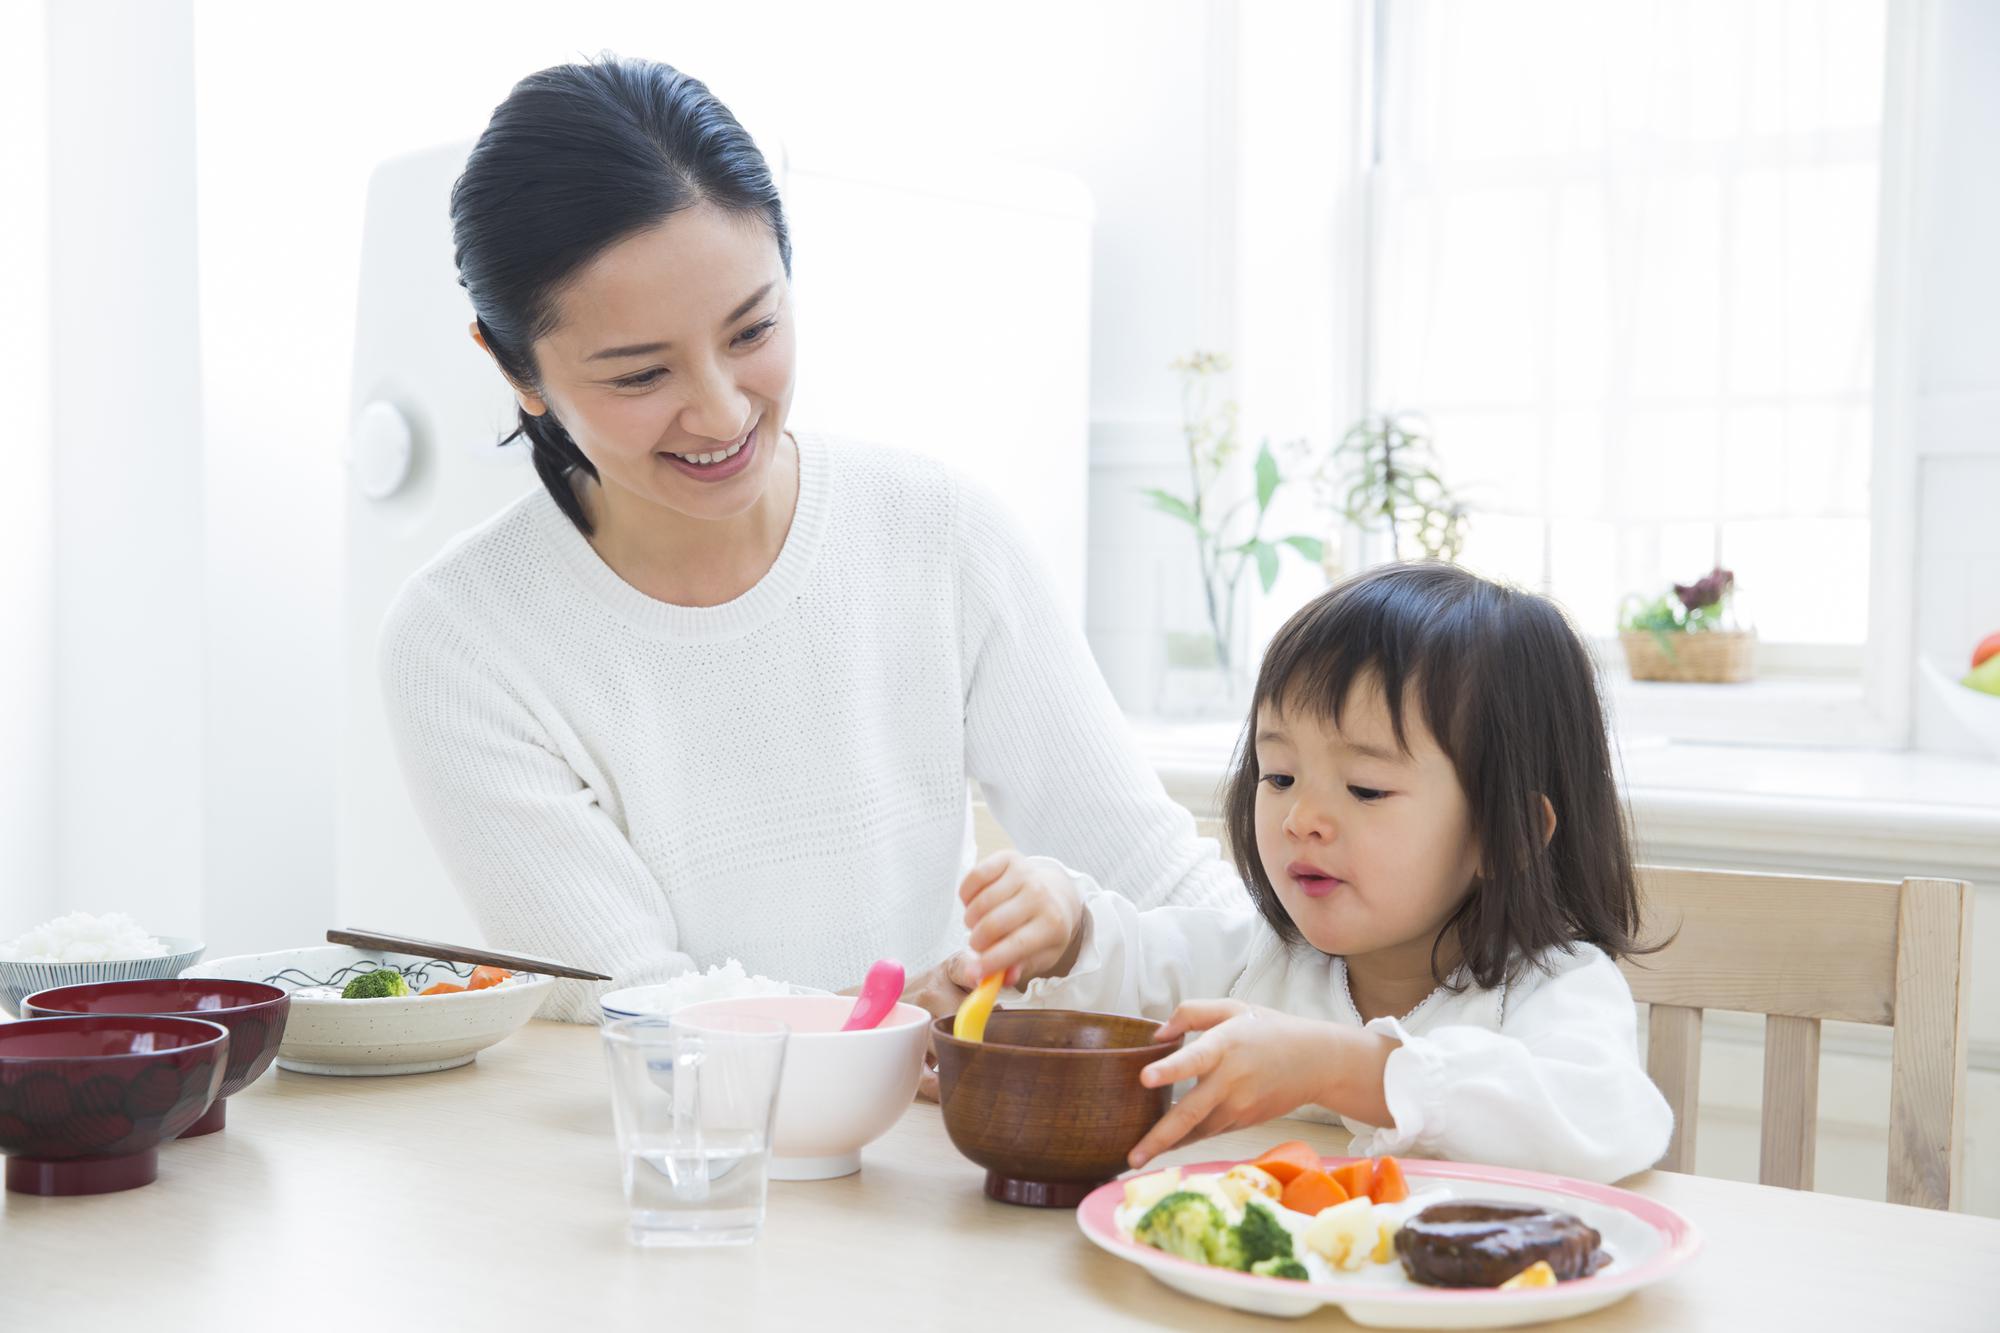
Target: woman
{"x": 716, "y": 689}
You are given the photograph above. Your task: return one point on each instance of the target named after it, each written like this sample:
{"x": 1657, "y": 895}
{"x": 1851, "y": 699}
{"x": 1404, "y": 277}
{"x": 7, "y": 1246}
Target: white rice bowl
{"x": 80, "y": 947}
{"x": 403, "y": 1034}
{"x": 724, "y": 981}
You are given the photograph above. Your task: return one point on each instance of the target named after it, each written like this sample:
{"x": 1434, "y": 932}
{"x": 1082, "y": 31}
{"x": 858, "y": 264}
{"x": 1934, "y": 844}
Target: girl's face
{"x": 676, "y": 344}
{"x": 1369, "y": 848}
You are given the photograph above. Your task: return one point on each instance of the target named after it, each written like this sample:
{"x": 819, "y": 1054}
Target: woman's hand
{"x": 1255, "y": 1064}
{"x": 939, "y": 990}
{"x": 1025, "y": 915}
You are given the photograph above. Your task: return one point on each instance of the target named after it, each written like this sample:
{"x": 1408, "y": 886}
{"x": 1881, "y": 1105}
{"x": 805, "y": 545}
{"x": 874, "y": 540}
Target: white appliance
{"x": 947, "y": 313}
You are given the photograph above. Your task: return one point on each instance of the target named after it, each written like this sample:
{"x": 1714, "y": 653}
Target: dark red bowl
{"x": 253, "y": 1013}
{"x": 85, "y": 1100}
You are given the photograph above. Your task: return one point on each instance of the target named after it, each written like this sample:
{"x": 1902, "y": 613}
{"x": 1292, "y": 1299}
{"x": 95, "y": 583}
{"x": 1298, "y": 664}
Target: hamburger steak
{"x": 1474, "y": 1244}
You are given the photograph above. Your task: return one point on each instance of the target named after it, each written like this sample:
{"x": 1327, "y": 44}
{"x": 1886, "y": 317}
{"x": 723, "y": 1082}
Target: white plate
{"x": 1646, "y": 1242}
{"x": 401, "y": 1035}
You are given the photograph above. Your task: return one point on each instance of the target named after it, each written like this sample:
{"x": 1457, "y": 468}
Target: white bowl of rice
{"x": 724, "y": 981}
{"x": 81, "y": 947}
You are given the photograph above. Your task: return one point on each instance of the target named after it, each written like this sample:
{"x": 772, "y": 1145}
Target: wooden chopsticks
{"x": 459, "y": 953}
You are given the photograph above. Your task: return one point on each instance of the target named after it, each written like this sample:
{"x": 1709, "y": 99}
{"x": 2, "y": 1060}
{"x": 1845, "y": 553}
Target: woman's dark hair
{"x": 1500, "y": 679}
{"x": 578, "y": 158}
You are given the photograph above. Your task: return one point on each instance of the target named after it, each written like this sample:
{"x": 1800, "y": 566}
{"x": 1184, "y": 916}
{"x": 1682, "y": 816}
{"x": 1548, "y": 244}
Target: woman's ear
{"x": 1548, "y": 821}
{"x": 531, "y": 403}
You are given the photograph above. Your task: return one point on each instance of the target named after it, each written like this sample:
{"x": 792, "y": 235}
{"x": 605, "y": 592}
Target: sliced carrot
{"x": 1355, "y": 1177}
{"x": 1288, "y": 1160}
{"x": 1388, "y": 1185}
{"x": 442, "y": 988}
{"x": 1310, "y": 1192}
{"x": 482, "y": 977}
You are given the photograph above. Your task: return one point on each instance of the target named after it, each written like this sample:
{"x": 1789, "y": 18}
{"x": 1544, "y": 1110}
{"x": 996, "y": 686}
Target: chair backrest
{"x": 1801, "y": 951}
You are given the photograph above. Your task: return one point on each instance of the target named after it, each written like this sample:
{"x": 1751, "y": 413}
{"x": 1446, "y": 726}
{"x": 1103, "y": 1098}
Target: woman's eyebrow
{"x": 646, "y": 349}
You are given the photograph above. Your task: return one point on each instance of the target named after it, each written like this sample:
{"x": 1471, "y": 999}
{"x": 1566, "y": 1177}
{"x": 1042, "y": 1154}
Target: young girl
{"x": 1424, "y": 810}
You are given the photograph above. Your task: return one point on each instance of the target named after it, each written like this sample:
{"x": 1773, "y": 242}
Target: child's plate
{"x": 1646, "y": 1242}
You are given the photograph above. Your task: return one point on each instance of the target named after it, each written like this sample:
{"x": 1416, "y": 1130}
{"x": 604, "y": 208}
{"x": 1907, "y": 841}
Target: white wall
{"x": 27, "y": 526}
{"x": 125, "y": 382}
{"x": 1955, "y": 344}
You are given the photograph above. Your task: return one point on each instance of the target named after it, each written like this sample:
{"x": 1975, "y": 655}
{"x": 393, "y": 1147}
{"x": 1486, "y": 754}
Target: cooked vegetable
{"x": 1388, "y": 1185}
{"x": 1243, "y": 1180}
{"x": 1536, "y": 1274}
{"x": 1288, "y": 1160}
{"x": 1190, "y": 1225}
{"x": 1145, "y": 1191}
{"x": 1346, "y": 1235}
{"x": 482, "y": 977}
{"x": 442, "y": 988}
{"x": 380, "y": 984}
{"x": 1312, "y": 1192}
{"x": 1355, "y": 1177}
{"x": 1262, "y": 1236}
{"x": 1282, "y": 1267}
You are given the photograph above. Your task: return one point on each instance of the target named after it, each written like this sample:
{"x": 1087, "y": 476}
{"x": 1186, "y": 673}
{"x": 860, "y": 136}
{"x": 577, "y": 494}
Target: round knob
{"x": 379, "y": 450}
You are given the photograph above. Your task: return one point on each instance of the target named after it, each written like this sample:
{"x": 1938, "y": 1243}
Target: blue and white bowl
{"x": 19, "y": 980}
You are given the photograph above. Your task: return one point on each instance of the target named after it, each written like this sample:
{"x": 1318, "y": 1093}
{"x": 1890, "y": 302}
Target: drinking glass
{"x": 693, "y": 1103}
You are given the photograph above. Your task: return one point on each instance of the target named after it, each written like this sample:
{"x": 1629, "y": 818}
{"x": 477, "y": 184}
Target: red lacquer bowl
{"x": 86, "y": 1100}
{"x": 253, "y": 1013}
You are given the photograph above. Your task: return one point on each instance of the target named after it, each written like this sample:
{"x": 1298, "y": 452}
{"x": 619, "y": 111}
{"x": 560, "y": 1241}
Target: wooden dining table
{"x": 487, "y": 1197}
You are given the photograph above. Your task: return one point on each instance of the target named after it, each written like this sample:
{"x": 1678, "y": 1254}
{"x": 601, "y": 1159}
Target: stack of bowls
{"x": 251, "y": 1012}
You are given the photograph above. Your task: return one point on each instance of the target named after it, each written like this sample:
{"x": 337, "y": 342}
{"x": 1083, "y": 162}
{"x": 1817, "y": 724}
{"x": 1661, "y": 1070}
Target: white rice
{"x": 83, "y": 938}
{"x": 724, "y": 981}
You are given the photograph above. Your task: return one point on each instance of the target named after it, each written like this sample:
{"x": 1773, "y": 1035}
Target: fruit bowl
{"x": 1975, "y": 710}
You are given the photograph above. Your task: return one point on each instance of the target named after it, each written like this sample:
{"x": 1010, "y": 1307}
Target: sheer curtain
{"x": 1624, "y": 262}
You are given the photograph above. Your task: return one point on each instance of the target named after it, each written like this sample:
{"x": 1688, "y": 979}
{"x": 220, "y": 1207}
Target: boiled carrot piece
{"x": 483, "y": 976}
{"x": 1311, "y": 1192}
{"x": 1388, "y": 1185}
{"x": 1288, "y": 1160}
{"x": 442, "y": 988}
{"x": 1356, "y": 1177}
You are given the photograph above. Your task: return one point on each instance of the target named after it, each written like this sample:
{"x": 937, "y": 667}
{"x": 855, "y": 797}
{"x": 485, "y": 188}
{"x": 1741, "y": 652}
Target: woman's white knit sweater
{"x": 645, "y": 788}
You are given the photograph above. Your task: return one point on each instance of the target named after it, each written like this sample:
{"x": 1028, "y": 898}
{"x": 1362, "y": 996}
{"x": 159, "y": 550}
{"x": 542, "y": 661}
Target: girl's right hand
{"x": 1025, "y": 916}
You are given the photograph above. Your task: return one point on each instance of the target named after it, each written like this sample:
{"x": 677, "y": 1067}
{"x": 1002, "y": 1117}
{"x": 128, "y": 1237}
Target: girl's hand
{"x": 939, "y": 990}
{"x": 1025, "y": 915}
{"x": 1255, "y": 1064}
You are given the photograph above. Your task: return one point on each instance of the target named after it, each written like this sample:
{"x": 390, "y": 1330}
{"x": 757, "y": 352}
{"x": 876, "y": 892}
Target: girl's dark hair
{"x": 578, "y": 158}
{"x": 1501, "y": 680}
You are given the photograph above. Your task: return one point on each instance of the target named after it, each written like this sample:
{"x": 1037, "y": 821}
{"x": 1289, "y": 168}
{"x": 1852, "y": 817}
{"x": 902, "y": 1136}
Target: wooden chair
{"x": 1801, "y": 951}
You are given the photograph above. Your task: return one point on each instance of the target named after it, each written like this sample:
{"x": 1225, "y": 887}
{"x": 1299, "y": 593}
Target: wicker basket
{"x": 1713, "y": 656}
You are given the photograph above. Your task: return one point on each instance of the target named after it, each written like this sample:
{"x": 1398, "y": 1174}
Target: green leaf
{"x": 1168, "y": 503}
{"x": 1312, "y": 548}
{"x": 1267, "y": 476}
{"x": 1267, "y": 564}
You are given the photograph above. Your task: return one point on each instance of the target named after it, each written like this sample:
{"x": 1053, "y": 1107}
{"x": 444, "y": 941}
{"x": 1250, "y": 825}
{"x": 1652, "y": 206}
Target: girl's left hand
{"x": 1255, "y": 1064}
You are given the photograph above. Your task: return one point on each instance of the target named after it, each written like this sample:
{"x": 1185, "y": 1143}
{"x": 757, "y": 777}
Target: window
{"x": 1623, "y": 260}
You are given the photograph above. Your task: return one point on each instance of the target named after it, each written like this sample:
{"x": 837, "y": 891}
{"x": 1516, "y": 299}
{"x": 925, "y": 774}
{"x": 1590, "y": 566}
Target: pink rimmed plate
{"x": 1647, "y": 1241}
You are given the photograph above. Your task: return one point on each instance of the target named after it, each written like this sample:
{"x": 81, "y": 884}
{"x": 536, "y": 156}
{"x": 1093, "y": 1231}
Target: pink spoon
{"x": 879, "y": 994}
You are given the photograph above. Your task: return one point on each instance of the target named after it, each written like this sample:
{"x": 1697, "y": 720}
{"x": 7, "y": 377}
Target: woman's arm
{"x": 543, "y": 867}
{"x": 1046, "y": 740}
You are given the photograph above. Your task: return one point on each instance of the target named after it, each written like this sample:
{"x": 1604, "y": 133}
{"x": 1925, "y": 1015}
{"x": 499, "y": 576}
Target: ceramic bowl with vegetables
{"x": 366, "y": 1011}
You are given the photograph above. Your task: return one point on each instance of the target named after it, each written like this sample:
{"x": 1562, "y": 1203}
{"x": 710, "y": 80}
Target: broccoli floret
{"x": 379, "y": 984}
{"x": 1190, "y": 1225}
{"x": 1281, "y": 1266}
{"x": 1262, "y": 1236}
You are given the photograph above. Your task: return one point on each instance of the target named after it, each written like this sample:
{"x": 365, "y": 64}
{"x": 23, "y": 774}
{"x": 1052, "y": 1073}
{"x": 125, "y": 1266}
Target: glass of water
{"x": 693, "y": 1106}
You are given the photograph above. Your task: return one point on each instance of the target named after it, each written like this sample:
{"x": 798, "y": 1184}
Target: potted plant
{"x": 1228, "y": 531}
{"x": 1383, "y": 479}
{"x": 1690, "y": 636}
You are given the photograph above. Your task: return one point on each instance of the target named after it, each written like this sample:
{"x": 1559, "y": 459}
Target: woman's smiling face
{"x": 676, "y": 344}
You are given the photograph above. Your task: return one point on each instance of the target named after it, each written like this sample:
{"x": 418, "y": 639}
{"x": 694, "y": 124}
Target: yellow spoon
{"x": 976, "y": 1008}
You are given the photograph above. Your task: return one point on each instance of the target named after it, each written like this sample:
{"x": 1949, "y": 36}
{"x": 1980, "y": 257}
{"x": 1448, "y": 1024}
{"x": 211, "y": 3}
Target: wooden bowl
{"x": 1051, "y": 1101}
